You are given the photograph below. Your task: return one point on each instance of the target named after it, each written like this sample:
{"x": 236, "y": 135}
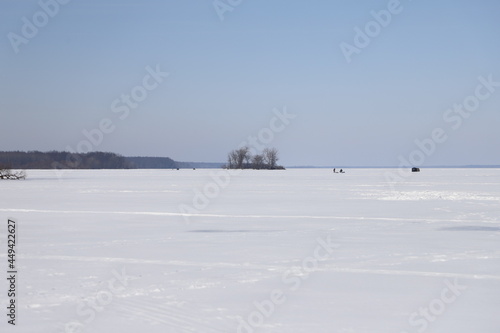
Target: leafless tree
{"x": 248, "y": 159}
{"x": 6, "y": 173}
{"x": 258, "y": 162}
{"x": 242, "y": 155}
{"x": 237, "y": 158}
{"x": 271, "y": 157}
{"x": 232, "y": 159}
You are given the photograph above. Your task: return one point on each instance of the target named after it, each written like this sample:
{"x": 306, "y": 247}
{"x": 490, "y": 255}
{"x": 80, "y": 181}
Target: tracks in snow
{"x": 357, "y": 218}
{"x": 322, "y": 268}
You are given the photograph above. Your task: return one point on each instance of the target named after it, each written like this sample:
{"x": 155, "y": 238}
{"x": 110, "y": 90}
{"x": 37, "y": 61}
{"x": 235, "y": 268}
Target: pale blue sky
{"x": 226, "y": 77}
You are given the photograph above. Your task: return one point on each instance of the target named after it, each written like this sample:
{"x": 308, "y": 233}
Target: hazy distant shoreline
{"x": 106, "y": 160}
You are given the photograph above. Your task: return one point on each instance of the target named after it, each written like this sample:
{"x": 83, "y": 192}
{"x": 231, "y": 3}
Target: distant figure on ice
{"x": 342, "y": 171}
{"x": 334, "y": 170}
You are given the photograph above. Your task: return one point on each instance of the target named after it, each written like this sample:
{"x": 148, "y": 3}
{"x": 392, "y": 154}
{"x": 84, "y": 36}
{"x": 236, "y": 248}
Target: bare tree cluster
{"x": 242, "y": 159}
{"x": 6, "y": 173}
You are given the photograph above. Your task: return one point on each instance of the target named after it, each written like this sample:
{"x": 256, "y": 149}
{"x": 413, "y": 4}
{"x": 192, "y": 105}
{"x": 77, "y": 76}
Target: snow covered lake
{"x": 301, "y": 250}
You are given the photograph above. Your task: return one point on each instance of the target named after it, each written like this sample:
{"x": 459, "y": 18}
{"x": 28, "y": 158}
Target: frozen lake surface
{"x": 260, "y": 251}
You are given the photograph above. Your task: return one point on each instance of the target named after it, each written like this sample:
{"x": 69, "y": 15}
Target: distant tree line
{"x": 62, "y": 160}
{"x": 242, "y": 159}
{"x": 102, "y": 160}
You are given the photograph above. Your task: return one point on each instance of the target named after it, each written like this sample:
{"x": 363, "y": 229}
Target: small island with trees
{"x": 242, "y": 158}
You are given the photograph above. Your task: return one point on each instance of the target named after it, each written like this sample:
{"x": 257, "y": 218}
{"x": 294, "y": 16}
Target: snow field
{"x": 301, "y": 250}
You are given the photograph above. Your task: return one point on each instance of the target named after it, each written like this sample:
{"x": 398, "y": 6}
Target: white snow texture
{"x": 301, "y": 250}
